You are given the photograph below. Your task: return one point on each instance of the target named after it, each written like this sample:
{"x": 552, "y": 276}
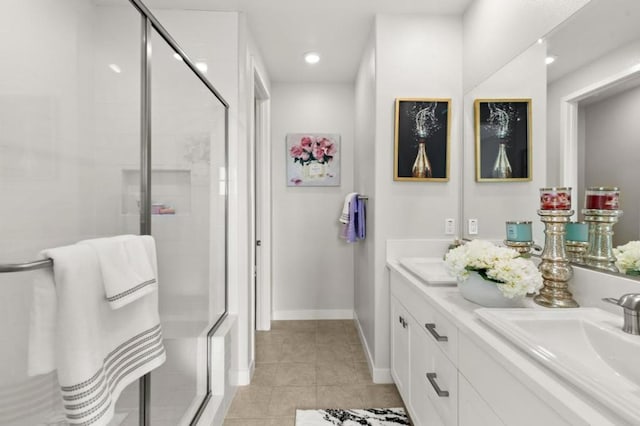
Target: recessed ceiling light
{"x": 550, "y": 59}
{"x": 312, "y": 58}
{"x": 202, "y": 66}
{"x": 540, "y": 40}
{"x": 115, "y": 68}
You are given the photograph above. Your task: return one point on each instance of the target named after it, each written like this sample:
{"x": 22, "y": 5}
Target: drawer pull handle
{"x": 432, "y": 379}
{"x": 432, "y": 329}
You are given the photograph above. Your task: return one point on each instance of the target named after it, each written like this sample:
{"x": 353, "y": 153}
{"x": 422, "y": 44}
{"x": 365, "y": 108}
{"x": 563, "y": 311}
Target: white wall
{"x": 312, "y": 266}
{"x": 494, "y": 203}
{"x": 365, "y": 182}
{"x": 495, "y": 31}
{"x": 415, "y": 56}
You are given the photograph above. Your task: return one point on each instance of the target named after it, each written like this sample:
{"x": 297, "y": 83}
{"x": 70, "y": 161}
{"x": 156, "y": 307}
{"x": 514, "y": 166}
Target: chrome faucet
{"x": 631, "y": 305}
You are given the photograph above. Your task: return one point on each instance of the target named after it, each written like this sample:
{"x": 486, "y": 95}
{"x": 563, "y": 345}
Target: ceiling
{"x": 337, "y": 29}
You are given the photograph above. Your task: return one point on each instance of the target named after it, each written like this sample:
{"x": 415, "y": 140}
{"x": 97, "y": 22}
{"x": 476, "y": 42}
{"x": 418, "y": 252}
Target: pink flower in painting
{"x": 330, "y": 149}
{"x": 296, "y": 151}
{"x": 313, "y": 150}
{"x": 318, "y": 153}
{"x": 306, "y": 143}
{"x": 324, "y": 142}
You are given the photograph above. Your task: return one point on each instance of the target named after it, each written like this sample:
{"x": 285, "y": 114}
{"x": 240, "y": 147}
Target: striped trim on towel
{"x": 89, "y": 401}
{"x": 131, "y": 290}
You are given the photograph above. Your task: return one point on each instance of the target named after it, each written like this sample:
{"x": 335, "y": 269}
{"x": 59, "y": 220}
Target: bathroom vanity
{"x": 452, "y": 368}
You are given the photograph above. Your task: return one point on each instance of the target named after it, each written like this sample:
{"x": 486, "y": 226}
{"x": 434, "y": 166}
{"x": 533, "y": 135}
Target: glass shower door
{"x": 188, "y": 222}
{"x": 69, "y": 126}
{"x": 70, "y": 143}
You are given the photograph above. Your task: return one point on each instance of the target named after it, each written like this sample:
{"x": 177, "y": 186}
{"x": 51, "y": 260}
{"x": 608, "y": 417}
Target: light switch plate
{"x": 473, "y": 226}
{"x": 449, "y": 226}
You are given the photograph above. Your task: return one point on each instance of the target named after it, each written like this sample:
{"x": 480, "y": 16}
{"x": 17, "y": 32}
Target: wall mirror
{"x": 594, "y": 104}
{"x": 592, "y": 109}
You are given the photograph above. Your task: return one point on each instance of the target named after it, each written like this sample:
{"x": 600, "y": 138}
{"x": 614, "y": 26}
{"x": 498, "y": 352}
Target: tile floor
{"x": 307, "y": 364}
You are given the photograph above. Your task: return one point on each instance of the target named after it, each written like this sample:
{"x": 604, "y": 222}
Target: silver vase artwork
{"x": 501, "y": 117}
{"x": 502, "y": 167}
{"x": 426, "y": 124}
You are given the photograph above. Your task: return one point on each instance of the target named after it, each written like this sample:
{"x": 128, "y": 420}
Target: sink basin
{"x": 584, "y": 346}
{"x": 431, "y": 270}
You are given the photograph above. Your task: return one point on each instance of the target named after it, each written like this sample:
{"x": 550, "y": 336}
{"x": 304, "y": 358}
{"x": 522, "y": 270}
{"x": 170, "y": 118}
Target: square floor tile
{"x": 296, "y": 374}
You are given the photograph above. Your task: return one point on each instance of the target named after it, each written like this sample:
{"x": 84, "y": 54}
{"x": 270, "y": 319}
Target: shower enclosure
{"x": 107, "y": 128}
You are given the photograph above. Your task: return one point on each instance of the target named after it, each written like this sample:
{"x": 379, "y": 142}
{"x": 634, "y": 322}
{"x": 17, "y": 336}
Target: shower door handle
{"x": 258, "y": 243}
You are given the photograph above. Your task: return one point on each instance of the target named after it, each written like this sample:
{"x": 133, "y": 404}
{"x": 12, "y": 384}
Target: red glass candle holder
{"x": 555, "y": 198}
{"x": 602, "y": 198}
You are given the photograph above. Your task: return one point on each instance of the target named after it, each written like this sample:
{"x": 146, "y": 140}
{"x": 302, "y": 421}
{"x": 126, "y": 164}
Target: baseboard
{"x": 240, "y": 377}
{"x": 378, "y": 375}
{"x": 382, "y": 376}
{"x": 310, "y": 314}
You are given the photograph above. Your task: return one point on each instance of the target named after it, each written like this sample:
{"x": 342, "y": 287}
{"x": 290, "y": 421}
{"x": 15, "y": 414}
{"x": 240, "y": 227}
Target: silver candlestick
{"x": 576, "y": 251}
{"x": 522, "y": 247}
{"x": 555, "y": 268}
{"x": 600, "y": 252}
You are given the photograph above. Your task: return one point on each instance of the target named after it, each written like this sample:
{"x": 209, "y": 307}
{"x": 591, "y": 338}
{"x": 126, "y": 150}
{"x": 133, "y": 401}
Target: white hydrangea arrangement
{"x": 628, "y": 258}
{"x": 513, "y": 275}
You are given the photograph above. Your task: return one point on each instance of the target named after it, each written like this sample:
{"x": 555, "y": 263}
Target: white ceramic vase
{"x": 486, "y": 293}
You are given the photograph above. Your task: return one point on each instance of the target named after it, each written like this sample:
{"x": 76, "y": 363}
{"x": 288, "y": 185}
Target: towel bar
{"x": 362, "y": 197}
{"x": 27, "y": 266}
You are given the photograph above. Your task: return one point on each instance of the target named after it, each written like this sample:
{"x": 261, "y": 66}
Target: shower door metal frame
{"x": 149, "y": 23}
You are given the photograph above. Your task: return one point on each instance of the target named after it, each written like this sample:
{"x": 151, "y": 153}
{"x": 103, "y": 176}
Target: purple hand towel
{"x": 352, "y": 235}
{"x": 360, "y": 219}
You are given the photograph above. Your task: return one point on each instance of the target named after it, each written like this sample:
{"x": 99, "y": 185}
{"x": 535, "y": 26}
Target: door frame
{"x": 569, "y": 121}
{"x": 261, "y": 202}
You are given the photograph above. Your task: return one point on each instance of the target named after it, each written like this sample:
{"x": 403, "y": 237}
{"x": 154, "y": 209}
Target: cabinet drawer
{"x": 434, "y": 378}
{"x": 442, "y": 331}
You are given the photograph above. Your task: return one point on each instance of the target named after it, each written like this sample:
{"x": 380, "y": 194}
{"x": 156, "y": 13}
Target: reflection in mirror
{"x": 593, "y": 107}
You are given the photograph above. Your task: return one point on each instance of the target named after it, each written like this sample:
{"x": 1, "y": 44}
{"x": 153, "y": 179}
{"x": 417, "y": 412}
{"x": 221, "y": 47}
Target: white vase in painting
{"x": 314, "y": 170}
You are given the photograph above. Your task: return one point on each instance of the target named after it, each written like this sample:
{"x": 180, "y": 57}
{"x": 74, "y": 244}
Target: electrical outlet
{"x": 473, "y": 226}
{"x": 449, "y": 226}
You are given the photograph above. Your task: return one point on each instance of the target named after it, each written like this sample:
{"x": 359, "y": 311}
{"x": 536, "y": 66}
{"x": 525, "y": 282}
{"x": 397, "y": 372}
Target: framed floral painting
{"x": 422, "y": 140}
{"x": 313, "y": 159}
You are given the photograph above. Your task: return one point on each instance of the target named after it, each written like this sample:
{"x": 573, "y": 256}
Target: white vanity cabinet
{"x": 423, "y": 357}
{"x": 444, "y": 378}
{"x": 472, "y": 409}
{"x": 514, "y": 403}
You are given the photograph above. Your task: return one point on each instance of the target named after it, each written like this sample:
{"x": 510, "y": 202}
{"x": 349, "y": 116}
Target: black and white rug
{"x": 352, "y": 417}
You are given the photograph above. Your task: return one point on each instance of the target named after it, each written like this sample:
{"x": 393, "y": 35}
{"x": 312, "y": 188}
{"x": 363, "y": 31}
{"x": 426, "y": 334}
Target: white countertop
{"x": 549, "y": 387}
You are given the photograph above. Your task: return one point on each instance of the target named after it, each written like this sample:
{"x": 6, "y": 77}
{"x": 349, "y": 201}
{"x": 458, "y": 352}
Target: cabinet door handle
{"x": 432, "y": 329}
{"x": 432, "y": 379}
